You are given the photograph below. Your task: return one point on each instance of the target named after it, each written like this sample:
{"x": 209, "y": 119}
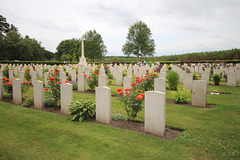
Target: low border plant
{"x": 81, "y": 110}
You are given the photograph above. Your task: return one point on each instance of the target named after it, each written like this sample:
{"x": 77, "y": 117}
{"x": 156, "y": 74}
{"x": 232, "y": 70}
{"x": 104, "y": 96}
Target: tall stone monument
{"x": 82, "y": 59}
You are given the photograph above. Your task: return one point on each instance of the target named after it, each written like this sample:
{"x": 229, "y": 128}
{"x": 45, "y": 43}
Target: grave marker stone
{"x": 38, "y": 95}
{"x": 103, "y": 104}
{"x": 66, "y": 97}
{"x": 155, "y": 112}
{"x": 17, "y": 93}
{"x": 199, "y": 93}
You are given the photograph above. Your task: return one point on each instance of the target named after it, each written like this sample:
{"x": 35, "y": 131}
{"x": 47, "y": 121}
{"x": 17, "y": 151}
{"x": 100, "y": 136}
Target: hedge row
{"x": 127, "y": 62}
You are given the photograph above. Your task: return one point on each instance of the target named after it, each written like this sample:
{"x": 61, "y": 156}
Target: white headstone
{"x": 46, "y": 74}
{"x": 21, "y": 76}
{"x": 160, "y": 85}
{"x": 199, "y": 93}
{"x": 81, "y": 82}
{"x": 102, "y": 80}
{"x": 231, "y": 79}
{"x": 205, "y": 76}
{"x": 66, "y": 97}
{"x": 187, "y": 81}
{"x": 10, "y": 72}
{"x": 17, "y": 93}
{"x": 103, "y": 104}
{"x": 1, "y": 88}
{"x": 38, "y": 95}
{"x": 155, "y": 112}
{"x": 119, "y": 76}
{"x": 127, "y": 82}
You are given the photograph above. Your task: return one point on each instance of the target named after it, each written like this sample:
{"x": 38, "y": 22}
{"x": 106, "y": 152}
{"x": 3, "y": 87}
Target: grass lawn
{"x": 210, "y": 133}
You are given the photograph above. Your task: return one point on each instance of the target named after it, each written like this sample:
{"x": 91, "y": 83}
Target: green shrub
{"x": 217, "y": 79}
{"x": 75, "y": 86}
{"x": 119, "y": 117}
{"x": 93, "y": 81}
{"x": 181, "y": 96}
{"x": 173, "y": 80}
{"x": 50, "y": 103}
{"x": 28, "y": 102}
{"x": 46, "y": 70}
{"x": 82, "y": 110}
{"x": 110, "y": 76}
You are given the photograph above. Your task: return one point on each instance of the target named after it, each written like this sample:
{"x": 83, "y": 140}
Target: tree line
{"x": 15, "y": 47}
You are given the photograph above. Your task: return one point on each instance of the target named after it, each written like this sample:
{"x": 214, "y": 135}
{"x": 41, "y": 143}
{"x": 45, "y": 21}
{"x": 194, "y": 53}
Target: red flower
{"x": 143, "y": 95}
{"x": 151, "y": 74}
{"x": 24, "y": 82}
{"x": 89, "y": 77}
{"x": 52, "y": 78}
{"x": 137, "y": 77}
{"x": 4, "y": 79}
{"x": 146, "y": 73}
{"x": 97, "y": 74}
{"x": 7, "y": 79}
{"x": 59, "y": 82}
{"x": 9, "y": 83}
{"x": 13, "y": 78}
{"x": 66, "y": 81}
{"x": 139, "y": 97}
{"x": 147, "y": 70}
{"x": 53, "y": 90}
{"x": 139, "y": 90}
{"x": 133, "y": 84}
{"x": 28, "y": 83}
{"x": 51, "y": 70}
{"x": 139, "y": 80}
{"x": 55, "y": 72}
{"x": 46, "y": 89}
{"x": 25, "y": 75}
{"x": 155, "y": 74}
{"x": 128, "y": 94}
{"x": 147, "y": 78}
{"x": 119, "y": 89}
{"x": 130, "y": 89}
{"x": 84, "y": 75}
{"x": 120, "y": 93}
{"x": 127, "y": 89}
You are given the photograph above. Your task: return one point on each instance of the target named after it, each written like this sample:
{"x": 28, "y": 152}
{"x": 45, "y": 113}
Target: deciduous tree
{"x": 139, "y": 41}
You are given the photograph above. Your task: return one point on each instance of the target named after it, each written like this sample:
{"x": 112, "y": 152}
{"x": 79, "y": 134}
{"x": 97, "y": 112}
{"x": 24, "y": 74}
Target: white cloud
{"x": 177, "y": 26}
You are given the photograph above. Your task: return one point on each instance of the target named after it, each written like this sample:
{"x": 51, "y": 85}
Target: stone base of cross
{"x": 83, "y": 61}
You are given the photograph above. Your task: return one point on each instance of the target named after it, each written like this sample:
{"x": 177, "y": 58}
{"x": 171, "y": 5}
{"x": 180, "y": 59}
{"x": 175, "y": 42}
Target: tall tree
{"x": 94, "y": 47}
{"x": 6, "y": 27}
{"x": 68, "y": 47}
{"x": 139, "y": 41}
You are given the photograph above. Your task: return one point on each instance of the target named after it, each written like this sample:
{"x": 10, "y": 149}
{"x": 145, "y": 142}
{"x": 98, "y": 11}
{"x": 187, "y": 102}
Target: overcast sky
{"x": 178, "y": 26}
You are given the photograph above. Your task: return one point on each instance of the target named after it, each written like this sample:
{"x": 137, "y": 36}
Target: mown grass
{"x": 210, "y": 133}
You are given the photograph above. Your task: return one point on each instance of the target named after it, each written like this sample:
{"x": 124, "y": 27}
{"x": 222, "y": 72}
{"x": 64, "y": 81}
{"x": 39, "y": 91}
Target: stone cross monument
{"x": 82, "y": 59}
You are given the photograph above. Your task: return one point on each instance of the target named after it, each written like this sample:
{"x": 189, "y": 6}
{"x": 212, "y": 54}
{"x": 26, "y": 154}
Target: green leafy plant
{"x": 217, "y": 79}
{"x": 27, "y": 75}
{"x": 173, "y": 80}
{"x": 119, "y": 117}
{"x": 196, "y": 76}
{"x": 181, "y": 96}
{"x": 93, "y": 80}
{"x": 75, "y": 86}
{"x": 110, "y": 81}
{"x": 6, "y": 71}
{"x": 7, "y": 86}
{"x": 109, "y": 74}
{"x": 46, "y": 70}
{"x": 146, "y": 83}
{"x": 81, "y": 110}
{"x": 53, "y": 92}
{"x": 28, "y": 102}
{"x": 131, "y": 100}
{"x": 50, "y": 103}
